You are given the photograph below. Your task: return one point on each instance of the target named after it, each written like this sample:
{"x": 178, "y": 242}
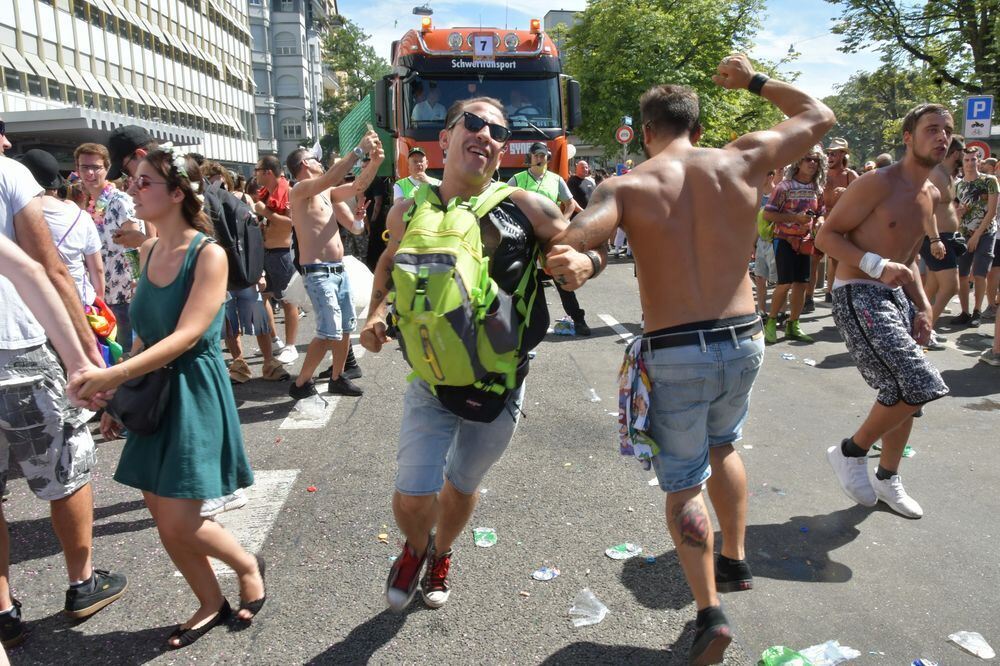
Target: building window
{"x": 285, "y": 43}
{"x": 291, "y": 128}
{"x": 80, "y": 9}
{"x": 288, "y": 5}
{"x": 34, "y": 86}
{"x": 12, "y": 80}
{"x": 288, "y": 86}
{"x": 54, "y": 90}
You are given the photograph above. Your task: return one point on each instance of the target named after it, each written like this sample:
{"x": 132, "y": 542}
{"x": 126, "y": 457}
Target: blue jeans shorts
{"x": 700, "y": 399}
{"x": 435, "y": 444}
{"x": 330, "y": 294}
{"x": 245, "y": 313}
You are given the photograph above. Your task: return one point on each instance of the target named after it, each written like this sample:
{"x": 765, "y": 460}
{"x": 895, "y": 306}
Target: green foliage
{"x": 870, "y": 105}
{"x": 621, "y": 48}
{"x": 346, "y": 52}
{"x": 956, "y": 40}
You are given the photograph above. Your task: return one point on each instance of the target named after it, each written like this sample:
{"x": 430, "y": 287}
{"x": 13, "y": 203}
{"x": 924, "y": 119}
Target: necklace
{"x": 96, "y": 207}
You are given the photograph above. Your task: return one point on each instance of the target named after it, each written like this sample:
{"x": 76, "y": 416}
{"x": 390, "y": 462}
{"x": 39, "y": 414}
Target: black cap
{"x": 416, "y": 150}
{"x": 539, "y": 147}
{"x": 124, "y": 141}
{"x": 43, "y": 167}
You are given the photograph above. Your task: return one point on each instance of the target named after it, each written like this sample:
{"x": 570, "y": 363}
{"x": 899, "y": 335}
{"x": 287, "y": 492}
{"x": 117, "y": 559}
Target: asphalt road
{"x": 825, "y": 569}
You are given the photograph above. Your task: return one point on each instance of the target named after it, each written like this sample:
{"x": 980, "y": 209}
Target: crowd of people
{"x": 134, "y": 235}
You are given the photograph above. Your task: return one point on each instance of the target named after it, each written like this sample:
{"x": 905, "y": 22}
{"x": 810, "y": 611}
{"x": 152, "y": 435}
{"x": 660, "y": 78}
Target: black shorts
{"x": 792, "y": 266}
{"x": 996, "y": 251}
{"x": 950, "y": 261}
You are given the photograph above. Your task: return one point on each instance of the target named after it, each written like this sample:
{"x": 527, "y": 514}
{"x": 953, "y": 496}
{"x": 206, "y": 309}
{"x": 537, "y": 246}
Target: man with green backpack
{"x": 459, "y": 279}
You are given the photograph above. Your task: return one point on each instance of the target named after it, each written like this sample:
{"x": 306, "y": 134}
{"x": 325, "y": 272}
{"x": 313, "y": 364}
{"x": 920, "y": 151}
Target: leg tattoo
{"x": 692, "y": 524}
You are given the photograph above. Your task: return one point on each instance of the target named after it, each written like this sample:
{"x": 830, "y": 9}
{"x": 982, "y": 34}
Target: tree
{"x": 870, "y": 105}
{"x": 955, "y": 39}
{"x": 347, "y": 53}
{"x": 621, "y": 48}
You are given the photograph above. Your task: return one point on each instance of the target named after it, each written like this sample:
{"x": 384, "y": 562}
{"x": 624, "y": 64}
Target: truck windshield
{"x": 534, "y": 101}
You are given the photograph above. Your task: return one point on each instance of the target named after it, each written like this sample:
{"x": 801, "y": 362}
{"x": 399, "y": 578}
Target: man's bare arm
{"x": 367, "y": 175}
{"x": 35, "y": 239}
{"x": 808, "y": 120}
{"x": 382, "y": 278}
{"x": 591, "y": 229}
{"x": 853, "y": 208}
{"x": 332, "y": 178}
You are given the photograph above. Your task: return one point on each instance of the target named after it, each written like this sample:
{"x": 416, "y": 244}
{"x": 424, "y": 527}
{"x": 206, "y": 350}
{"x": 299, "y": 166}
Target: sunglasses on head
{"x": 144, "y": 182}
{"x": 474, "y": 124}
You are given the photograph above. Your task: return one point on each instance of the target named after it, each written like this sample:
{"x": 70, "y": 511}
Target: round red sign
{"x": 981, "y": 146}
{"x": 624, "y": 134}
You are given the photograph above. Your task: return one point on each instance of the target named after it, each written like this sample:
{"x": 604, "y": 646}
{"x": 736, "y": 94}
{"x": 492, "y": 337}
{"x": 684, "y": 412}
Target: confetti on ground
{"x": 384, "y": 538}
{"x": 311, "y": 489}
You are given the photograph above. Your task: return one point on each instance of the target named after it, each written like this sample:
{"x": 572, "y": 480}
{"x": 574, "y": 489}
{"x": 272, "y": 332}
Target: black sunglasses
{"x": 814, "y": 160}
{"x": 474, "y": 124}
{"x": 3, "y": 127}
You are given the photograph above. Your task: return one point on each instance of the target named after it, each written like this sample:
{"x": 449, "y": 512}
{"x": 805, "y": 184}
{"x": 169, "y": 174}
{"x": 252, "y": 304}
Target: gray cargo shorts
{"x": 41, "y": 431}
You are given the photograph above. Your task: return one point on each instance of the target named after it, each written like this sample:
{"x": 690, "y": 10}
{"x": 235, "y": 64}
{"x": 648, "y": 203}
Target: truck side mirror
{"x": 573, "y": 107}
{"x": 383, "y": 110}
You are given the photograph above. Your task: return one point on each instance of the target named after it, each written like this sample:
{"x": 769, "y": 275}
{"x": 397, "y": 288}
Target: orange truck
{"x": 434, "y": 67}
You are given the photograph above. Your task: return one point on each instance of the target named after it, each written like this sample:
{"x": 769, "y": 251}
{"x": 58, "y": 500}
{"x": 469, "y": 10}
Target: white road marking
{"x": 319, "y": 418}
{"x": 616, "y": 327}
{"x": 252, "y": 523}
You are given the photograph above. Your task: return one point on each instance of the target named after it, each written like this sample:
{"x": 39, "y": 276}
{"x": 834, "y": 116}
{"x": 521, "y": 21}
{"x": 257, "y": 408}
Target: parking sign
{"x": 978, "y": 116}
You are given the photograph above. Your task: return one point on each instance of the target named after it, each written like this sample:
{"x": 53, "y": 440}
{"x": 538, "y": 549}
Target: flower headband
{"x": 178, "y": 161}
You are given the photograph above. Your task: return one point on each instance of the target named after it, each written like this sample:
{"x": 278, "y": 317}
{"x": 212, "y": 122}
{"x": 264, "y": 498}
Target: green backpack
{"x": 765, "y": 229}
{"x": 456, "y": 327}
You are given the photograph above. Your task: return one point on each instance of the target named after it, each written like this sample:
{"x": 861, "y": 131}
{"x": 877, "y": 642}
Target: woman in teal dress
{"x": 197, "y": 453}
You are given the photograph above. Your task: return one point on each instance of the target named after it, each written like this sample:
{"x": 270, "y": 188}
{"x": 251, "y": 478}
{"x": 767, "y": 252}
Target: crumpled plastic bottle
{"x": 973, "y": 643}
{"x": 830, "y": 653}
{"x": 779, "y": 655}
{"x": 587, "y": 609}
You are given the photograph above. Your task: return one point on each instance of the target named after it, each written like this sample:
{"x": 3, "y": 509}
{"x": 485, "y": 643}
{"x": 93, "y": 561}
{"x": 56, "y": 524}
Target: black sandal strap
{"x": 255, "y": 605}
{"x": 186, "y": 637}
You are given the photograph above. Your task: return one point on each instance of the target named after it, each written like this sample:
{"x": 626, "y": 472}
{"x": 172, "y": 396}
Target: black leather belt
{"x": 323, "y": 268}
{"x": 730, "y": 333}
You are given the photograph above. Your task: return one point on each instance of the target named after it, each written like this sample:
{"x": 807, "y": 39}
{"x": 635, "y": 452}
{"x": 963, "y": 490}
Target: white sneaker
{"x": 891, "y": 492}
{"x": 277, "y": 344}
{"x": 853, "y": 476}
{"x": 936, "y": 342}
{"x": 287, "y": 355}
{"x": 216, "y": 505}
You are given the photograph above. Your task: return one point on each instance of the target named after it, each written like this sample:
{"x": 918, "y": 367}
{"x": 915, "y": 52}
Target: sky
{"x": 820, "y": 64}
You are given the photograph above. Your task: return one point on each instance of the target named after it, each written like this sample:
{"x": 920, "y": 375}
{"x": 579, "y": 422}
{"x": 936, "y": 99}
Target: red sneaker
{"x": 434, "y": 587}
{"x": 404, "y": 575}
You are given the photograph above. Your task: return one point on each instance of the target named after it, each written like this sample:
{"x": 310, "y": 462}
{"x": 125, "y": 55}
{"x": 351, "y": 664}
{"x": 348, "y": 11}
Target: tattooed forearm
{"x": 691, "y": 524}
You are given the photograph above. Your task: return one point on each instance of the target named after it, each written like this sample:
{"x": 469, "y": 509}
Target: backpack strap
{"x": 490, "y": 199}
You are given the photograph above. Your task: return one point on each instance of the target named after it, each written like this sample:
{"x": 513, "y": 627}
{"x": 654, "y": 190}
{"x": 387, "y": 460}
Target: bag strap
{"x": 79, "y": 213}
{"x": 189, "y": 282}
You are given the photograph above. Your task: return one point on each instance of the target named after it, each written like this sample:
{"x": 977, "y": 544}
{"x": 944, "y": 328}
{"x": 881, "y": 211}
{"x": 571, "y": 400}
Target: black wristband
{"x": 595, "y": 259}
{"x": 757, "y": 83}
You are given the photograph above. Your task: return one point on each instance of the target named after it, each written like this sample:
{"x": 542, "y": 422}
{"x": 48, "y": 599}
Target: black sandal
{"x": 255, "y": 606}
{"x": 185, "y": 637}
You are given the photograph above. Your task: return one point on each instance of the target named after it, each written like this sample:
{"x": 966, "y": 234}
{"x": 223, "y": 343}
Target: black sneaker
{"x": 351, "y": 371}
{"x": 976, "y": 319}
{"x": 810, "y": 306}
{"x": 304, "y": 391}
{"x": 13, "y": 630}
{"x": 580, "y": 326}
{"x": 828, "y": 298}
{"x": 961, "y": 320}
{"x": 107, "y": 588}
{"x": 732, "y": 575}
{"x": 344, "y": 386}
{"x": 712, "y": 637}
{"x": 782, "y": 318}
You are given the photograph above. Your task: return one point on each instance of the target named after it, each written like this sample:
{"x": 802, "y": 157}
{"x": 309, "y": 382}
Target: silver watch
{"x": 360, "y": 154}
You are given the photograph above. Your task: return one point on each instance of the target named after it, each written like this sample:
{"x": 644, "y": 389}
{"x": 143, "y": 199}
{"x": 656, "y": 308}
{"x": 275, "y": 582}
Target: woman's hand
{"x": 89, "y": 383}
{"x": 110, "y": 428}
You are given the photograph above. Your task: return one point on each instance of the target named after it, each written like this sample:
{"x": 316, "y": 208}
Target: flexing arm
{"x": 208, "y": 292}
{"x": 363, "y": 181}
{"x": 35, "y": 239}
{"x": 336, "y": 174}
{"x": 592, "y": 228}
{"x": 808, "y": 120}
{"x": 373, "y": 335}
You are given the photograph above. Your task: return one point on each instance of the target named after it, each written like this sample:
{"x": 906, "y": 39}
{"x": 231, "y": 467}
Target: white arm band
{"x": 873, "y": 264}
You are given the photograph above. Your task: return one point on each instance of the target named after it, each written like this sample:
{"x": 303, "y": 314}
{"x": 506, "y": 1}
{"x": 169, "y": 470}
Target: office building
{"x": 73, "y": 70}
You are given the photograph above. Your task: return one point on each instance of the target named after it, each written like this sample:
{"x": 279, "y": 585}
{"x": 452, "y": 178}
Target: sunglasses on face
{"x": 143, "y": 183}
{"x": 814, "y": 160}
{"x": 474, "y": 124}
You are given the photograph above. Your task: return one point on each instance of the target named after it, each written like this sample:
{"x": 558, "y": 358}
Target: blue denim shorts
{"x": 700, "y": 399}
{"x": 330, "y": 294}
{"x": 435, "y": 444}
{"x": 245, "y": 313}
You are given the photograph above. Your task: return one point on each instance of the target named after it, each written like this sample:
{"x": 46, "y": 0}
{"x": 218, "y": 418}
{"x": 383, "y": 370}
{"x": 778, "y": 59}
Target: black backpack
{"x": 238, "y": 232}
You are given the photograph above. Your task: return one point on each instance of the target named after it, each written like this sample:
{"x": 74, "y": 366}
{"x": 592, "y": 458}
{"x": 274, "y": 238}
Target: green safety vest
{"x": 410, "y": 188}
{"x": 548, "y": 186}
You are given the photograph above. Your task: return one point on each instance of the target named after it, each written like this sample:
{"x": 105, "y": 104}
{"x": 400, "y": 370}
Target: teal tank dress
{"x": 198, "y": 451}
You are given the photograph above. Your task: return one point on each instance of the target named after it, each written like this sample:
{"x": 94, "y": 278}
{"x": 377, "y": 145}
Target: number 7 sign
{"x": 483, "y": 47}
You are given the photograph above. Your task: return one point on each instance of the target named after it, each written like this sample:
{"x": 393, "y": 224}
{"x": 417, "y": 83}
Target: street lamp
{"x": 423, "y": 10}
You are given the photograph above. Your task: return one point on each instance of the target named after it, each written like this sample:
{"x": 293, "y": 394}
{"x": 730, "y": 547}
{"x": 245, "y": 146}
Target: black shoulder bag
{"x": 140, "y": 402}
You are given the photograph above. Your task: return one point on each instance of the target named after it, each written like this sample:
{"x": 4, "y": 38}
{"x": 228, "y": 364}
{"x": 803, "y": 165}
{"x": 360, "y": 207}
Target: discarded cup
{"x": 545, "y": 573}
{"x": 485, "y": 537}
{"x": 309, "y": 408}
{"x": 623, "y": 551}
{"x": 973, "y": 643}
{"x": 788, "y": 357}
{"x": 779, "y": 655}
{"x": 587, "y": 609}
{"x": 809, "y": 361}
{"x": 593, "y": 397}
{"x": 830, "y": 653}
